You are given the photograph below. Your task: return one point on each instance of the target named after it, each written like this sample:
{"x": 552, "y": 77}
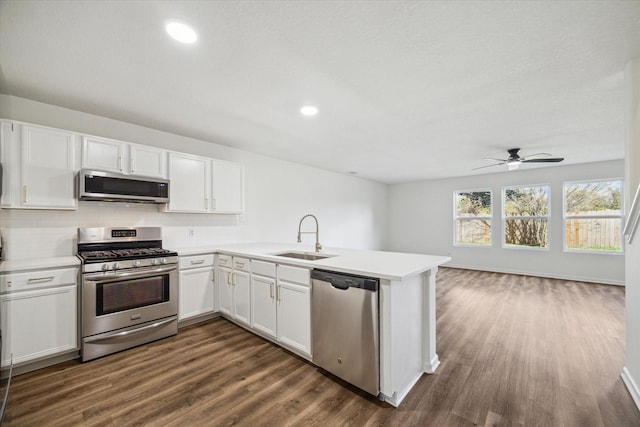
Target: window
{"x": 472, "y": 217}
{"x": 593, "y": 216}
{"x": 526, "y": 216}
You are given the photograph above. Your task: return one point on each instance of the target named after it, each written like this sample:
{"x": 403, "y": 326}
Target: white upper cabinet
{"x": 204, "y": 185}
{"x": 40, "y": 167}
{"x": 147, "y": 161}
{"x": 227, "y": 187}
{"x": 189, "y": 183}
{"x": 122, "y": 157}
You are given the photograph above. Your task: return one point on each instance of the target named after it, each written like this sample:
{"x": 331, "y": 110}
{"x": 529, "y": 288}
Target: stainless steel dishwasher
{"x": 344, "y": 315}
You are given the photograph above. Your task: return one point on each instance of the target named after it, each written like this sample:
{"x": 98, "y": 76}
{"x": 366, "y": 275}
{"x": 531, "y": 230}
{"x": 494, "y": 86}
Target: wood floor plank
{"x": 514, "y": 350}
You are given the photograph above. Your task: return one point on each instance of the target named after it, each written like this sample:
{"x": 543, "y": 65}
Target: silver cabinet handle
{"x": 197, "y": 261}
{"x": 233, "y": 278}
{"x": 271, "y": 290}
{"x": 41, "y": 279}
{"x": 213, "y": 201}
{"x": 239, "y": 264}
{"x": 228, "y": 276}
{"x": 206, "y": 203}
{"x": 25, "y": 193}
{"x": 131, "y": 161}
{"x": 278, "y": 291}
{"x": 120, "y": 163}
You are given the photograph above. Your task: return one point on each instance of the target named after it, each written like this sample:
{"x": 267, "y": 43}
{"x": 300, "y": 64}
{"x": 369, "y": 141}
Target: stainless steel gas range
{"x": 129, "y": 289}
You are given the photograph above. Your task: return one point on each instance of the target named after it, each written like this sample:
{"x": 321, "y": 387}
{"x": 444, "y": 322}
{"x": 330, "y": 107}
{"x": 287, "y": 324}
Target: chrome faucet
{"x": 317, "y": 232}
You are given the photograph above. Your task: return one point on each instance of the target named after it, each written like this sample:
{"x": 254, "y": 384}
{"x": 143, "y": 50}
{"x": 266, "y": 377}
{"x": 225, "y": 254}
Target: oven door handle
{"x": 100, "y": 277}
{"x": 130, "y": 332}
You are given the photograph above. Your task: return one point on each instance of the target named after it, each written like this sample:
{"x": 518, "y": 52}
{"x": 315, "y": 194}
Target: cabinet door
{"x": 294, "y": 316}
{"x": 38, "y": 323}
{"x": 242, "y": 293}
{"x": 263, "y": 304}
{"x": 195, "y": 292}
{"x": 49, "y": 165}
{"x": 104, "y": 154}
{"x": 189, "y": 188}
{"x": 147, "y": 161}
{"x": 227, "y": 187}
{"x": 225, "y": 287}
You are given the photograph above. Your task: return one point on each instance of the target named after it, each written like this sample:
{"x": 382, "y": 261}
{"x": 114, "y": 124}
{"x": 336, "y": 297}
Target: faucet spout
{"x": 317, "y": 232}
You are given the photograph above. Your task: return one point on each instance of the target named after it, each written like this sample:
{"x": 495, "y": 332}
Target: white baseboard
{"x": 529, "y": 273}
{"x": 632, "y": 386}
{"x": 431, "y": 366}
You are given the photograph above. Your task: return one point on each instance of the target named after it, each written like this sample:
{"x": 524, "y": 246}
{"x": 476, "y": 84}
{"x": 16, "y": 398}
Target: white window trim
{"x": 487, "y": 217}
{"x": 505, "y": 218}
{"x": 565, "y": 217}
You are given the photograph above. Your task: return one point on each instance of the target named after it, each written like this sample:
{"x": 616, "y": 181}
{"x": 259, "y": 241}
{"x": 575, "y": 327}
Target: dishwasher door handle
{"x": 339, "y": 285}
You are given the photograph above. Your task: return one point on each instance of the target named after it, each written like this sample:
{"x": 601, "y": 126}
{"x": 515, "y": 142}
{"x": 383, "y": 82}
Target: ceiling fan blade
{"x": 535, "y": 155}
{"x": 488, "y": 166}
{"x": 551, "y": 160}
{"x": 494, "y": 159}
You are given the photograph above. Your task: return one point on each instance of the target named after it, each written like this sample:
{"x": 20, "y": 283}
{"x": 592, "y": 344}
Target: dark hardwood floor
{"x": 514, "y": 350}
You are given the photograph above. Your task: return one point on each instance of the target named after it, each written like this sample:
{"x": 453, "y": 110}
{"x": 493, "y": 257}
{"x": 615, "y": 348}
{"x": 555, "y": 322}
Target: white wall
{"x": 421, "y": 221}
{"x": 631, "y": 372}
{"x": 352, "y": 212}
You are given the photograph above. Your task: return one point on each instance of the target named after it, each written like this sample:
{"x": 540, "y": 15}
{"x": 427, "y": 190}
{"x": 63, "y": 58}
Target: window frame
{"x": 566, "y": 217}
{"x": 484, "y": 217}
{"x": 545, "y": 217}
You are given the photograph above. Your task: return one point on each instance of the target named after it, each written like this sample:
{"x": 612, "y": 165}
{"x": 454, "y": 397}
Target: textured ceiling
{"x": 406, "y": 90}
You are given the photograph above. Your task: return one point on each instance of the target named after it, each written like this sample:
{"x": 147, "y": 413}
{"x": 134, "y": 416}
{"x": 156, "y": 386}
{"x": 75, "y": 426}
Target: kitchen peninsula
{"x": 406, "y": 302}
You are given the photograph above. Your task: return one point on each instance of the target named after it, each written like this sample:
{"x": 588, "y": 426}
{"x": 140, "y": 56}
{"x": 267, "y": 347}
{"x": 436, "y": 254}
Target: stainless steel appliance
{"x": 114, "y": 187}
{"x": 129, "y": 289}
{"x": 344, "y": 310}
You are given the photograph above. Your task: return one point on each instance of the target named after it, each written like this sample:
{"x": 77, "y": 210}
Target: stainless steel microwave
{"x": 114, "y": 187}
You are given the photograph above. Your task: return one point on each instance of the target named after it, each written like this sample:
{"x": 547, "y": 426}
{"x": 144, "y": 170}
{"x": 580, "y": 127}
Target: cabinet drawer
{"x": 241, "y": 264}
{"x": 224, "y": 260}
{"x": 194, "y": 261}
{"x": 267, "y": 269}
{"x": 38, "y": 279}
{"x": 294, "y": 274}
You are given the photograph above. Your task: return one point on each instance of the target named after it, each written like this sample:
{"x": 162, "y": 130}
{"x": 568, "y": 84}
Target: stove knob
{"x": 136, "y": 263}
{"x": 154, "y": 261}
{"x": 105, "y": 267}
{"x": 163, "y": 261}
{"x": 116, "y": 265}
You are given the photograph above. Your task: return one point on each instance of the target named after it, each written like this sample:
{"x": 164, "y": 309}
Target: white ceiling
{"x": 407, "y": 90}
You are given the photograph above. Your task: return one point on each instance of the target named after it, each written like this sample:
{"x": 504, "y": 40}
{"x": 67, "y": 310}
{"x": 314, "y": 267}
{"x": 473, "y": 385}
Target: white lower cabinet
{"x": 274, "y": 300}
{"x": 39, "y": 311}
{"x": 196, "y": 286}
{"x": 234, "y": 287}
{"x": 263, "y": 298}
{"x": 293, "y": 297}
{"x": 281, "y": 308}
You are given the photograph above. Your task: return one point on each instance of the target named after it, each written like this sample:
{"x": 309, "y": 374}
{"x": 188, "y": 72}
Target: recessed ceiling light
{"x": 181, "y": 32}
{"x": 309, "y": 110}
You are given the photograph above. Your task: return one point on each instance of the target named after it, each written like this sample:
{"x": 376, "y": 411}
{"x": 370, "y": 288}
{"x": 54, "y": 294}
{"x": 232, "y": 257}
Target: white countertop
{"x": 38, "y": 263}
{"x": 385, "y": 265}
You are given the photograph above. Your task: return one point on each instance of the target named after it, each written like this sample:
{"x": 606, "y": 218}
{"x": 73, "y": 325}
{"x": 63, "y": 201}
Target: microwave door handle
{"x": 100, "y": 277}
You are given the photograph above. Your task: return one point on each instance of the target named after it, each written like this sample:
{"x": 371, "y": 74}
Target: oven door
{"x": 120, "y": 299}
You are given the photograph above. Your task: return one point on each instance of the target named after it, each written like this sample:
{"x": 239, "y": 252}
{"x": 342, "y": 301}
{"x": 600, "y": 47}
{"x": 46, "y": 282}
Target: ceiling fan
{"x": 514, "y": 159}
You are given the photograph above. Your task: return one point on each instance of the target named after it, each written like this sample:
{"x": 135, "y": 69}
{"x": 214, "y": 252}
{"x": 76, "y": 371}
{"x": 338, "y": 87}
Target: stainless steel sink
{"x": 303, "y": 255}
